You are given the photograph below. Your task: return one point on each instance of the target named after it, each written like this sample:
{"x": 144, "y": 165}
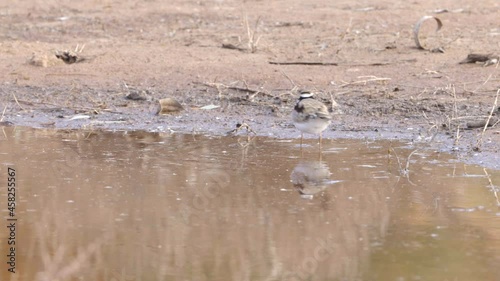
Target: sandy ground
{"x": 246, "y": 58}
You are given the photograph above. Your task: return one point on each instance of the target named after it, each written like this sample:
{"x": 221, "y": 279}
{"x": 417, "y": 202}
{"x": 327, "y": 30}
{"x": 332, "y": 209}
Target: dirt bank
{"x": 245, "y": 57}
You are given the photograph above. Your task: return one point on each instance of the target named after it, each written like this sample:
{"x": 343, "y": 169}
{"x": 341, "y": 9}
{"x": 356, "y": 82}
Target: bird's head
{"x": 306, "y": 95}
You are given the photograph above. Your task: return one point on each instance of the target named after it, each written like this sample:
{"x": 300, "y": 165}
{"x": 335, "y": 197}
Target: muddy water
{"x": 147, "y": 206}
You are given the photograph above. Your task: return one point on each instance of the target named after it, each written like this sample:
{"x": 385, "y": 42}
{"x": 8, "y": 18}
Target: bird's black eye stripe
{"x": 299, "y": 108}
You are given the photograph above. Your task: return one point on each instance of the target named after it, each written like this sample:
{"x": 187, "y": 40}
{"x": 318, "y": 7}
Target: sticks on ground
{"x": 366, "y": 79}
{"x": 3, "y": 113}
{"x": 22, "y": 108}
{"x": 76, "y": 108}
{"x": 220, "y": 86}
{"x": 252, "y": 41}
{"x": 302, "y": 63}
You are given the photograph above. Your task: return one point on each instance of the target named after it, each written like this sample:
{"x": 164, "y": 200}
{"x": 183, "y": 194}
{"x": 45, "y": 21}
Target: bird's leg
{"x": 301, "y": 137}
{"x": 320, "y": 139}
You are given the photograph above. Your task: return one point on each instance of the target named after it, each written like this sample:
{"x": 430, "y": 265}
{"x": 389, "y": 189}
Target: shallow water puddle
{"x": 149, "y": 206}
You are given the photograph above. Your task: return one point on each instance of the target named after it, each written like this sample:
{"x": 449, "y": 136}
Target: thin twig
{"x": 17, "y": 101}
{"x": 71, "y": 107}
{"x": 493, "y": 108}
{"x": 248, "y": 90}
{"x": 289, "y": 79}
{"x": 487, "y": 79}
{"x": 405, "y": 172}
{"x": 3, "y": 113}
{"x": 371, "y": 79}
{"x": 252, "y": 43}
{"x": 469, "y": 117}
{"x": 455, "y": 115}
{"x": 71, "y": 74}
{"x": 241, "y": 126}
{"x": 408, "y": 161}
{"x": 493, "y": 188}
{"x": 302, "y": 63}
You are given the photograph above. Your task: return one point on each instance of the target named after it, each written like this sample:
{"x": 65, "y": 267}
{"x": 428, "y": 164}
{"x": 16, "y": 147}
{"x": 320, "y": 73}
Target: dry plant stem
{"x": 397, "y": 158}
{"x": 455, "y": 115}
{"x": 402, "y": 171}
{"x": 455, "y": 108}
{"x": 3, "y": 113}
{"x": 302, "y": 63}
{"x": 487, "y": 79}
{"x": 246, "y": 144}
{"x": 469, "y": 117}
{"x": 17, "y": 101}
{"x": 289, "y": 79}
{"x": 493, "y": 188}
{"x": 218, "y": 86}
{"x": 493, "y": 108}
{"x": 408, "y": 161}
{"x": 343, "y": 36}
{"x": 76, "y": 108}
{"x": 327, "y": 63}
{"x": 252, "y": 43}
{"x": 81, "y": 259}
{"x": 72, "y": 74}
{"x": 457, "y": 136}
{"x": 371, "y": 79}
{"x": 405, "y": 172}
{"x": 240, "y": 127}
{"x": 433, "y": 126}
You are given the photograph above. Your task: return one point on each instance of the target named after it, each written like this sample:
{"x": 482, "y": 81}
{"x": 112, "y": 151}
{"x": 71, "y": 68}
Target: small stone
{"x": 169, "y": 105}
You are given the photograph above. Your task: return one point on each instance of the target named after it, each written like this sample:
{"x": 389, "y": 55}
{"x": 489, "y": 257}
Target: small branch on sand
{"x": 22, "y": 108}
{"x": 3, "y": 113}
{"x": 371, "y": 78}
{"x": 303, "y": 63}
{"x": 218, "y": 86}
{"x": 76, "y": 108}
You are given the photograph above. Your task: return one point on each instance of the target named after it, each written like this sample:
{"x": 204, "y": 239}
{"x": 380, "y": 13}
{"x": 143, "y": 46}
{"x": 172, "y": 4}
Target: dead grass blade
{"x": 493, "y": 188}
{"x": 367, "y": 79}
{"x": 303, "y": 63}
{"x": 252, "y": 41}
{"x": 3, "y": 113}
{"x": 14, "y": 95}
{"x": 493, "y": 109}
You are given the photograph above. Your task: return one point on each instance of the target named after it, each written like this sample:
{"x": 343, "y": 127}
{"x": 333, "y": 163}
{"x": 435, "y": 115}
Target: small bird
{"x": 310, "y": 116}
{"x": 311, "y": 177}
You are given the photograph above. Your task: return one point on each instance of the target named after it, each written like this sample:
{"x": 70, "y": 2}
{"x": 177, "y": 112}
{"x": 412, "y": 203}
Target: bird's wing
{"x": 316, "y": 109}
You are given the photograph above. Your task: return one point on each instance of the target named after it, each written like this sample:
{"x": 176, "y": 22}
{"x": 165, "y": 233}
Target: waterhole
{"x": 151, "y": 206}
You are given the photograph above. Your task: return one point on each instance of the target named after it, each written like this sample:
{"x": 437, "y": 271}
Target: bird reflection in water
{"x": 311, "y": 177}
